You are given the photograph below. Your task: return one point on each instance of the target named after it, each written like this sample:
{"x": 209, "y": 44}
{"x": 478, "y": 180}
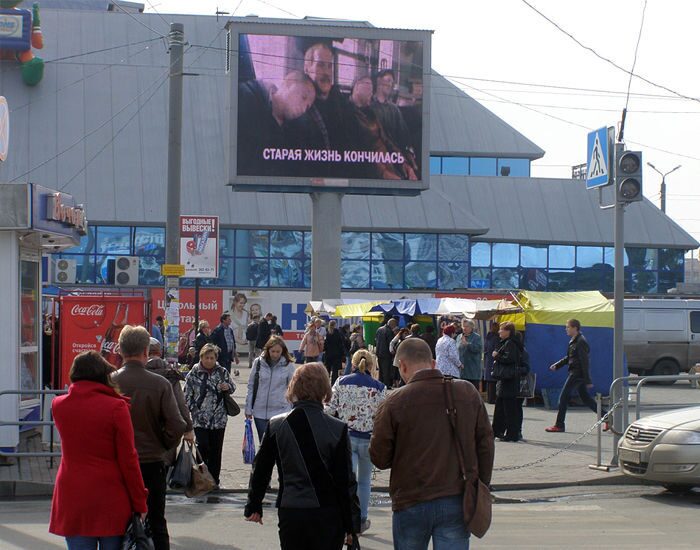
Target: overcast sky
{"x": 505, "y": 40}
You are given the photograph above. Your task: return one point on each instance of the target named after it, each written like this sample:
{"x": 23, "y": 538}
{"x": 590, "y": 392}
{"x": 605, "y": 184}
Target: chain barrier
{"x": 588, "y": 432}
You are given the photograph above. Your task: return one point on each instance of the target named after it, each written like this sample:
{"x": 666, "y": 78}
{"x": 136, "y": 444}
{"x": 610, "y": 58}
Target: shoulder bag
{"x": 136, "y": 537}
{"x": 476, "y": 503}
{"x": 232, "y": 408}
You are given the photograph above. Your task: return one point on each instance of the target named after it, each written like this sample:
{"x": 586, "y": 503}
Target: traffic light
{"x": 628, "y": 176}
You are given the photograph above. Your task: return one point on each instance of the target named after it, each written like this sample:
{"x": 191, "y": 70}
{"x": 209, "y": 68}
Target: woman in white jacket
{"x": 267, "y": 385}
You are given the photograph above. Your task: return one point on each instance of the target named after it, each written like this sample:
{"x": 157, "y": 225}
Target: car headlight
{"x": 681, "y": 437}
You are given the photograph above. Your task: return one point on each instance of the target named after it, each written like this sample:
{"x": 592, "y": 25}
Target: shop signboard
{"x": 199, "y": 246}
{"x": 93, "y": 323}
{"x": 326, "y": 107}
{"x": 211, "y": 306}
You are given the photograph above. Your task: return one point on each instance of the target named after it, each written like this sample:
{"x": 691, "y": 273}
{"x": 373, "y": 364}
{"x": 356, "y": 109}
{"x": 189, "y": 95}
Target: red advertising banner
{"x": 211, "y": 306}
{"x": 94, "y": 323}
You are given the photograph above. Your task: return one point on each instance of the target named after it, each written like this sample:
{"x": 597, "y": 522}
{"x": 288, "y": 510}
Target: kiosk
{"x": 33, "y": 220}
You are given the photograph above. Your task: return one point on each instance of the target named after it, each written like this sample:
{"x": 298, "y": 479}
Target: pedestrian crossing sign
{"x": 598, "y": 160}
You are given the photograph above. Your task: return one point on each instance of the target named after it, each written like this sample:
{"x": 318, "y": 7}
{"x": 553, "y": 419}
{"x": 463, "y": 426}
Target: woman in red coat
{"x": 99, "y": 484}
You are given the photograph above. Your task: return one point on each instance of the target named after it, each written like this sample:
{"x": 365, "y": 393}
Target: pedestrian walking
{"x": 507, "y": 370}
{"x": 205, "y": 387}
{"x": 251, "y": 335}
{"x": 356, "y": 398}
{"x": 98, "y": 485}
{"x": 356, "y": 343}
{"x": 413, "y": 436}
{"x": 579, "y": 377}
{"x": 203, "y": 337}
{"x": 317, "y": 501}
{"x": 399, "y": 336}
{"x": 158, "y": 425}
{"x": 446, "y": 354}
{"x": 470, "y": 348}
{"x": 429, "y": 338}
{"x": 268, "y": 383}
{"x": 383, "y": 338}
{"x": 334, "y": 351}
{"x": 264, "y": 331}
{"x": 224, "y": 338}
{"x": 157, "y": 365}
{"x": 311, "y": 344}
{"x": 491, "y": 341}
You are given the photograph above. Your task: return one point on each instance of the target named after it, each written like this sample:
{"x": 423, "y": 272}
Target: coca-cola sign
{"x": 93, "y": 310}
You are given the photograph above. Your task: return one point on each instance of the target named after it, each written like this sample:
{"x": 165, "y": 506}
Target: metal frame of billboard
{"x": 357, "y": 186}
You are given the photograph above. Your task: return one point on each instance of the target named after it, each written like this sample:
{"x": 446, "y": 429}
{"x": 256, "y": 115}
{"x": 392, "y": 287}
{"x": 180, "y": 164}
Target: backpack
{"x": 251, "y": 333}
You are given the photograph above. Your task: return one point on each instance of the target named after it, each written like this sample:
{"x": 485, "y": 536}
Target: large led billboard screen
{"x": 329, "y": 107}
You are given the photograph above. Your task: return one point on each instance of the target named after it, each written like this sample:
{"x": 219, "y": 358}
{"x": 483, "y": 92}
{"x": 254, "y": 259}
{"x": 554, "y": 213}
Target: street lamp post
{"x": 663, "y": 183}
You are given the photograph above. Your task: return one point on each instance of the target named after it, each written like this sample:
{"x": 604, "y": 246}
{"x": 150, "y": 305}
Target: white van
{"x": 662, "y": 336}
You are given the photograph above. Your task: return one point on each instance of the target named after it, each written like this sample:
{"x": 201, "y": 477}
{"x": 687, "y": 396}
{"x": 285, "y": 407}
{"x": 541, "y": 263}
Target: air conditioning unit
{"x": 126, "y": 271}
{"x": 63, "y": 271}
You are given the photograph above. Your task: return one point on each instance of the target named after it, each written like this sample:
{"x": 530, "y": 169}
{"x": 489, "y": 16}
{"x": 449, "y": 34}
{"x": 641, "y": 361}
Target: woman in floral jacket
{"x": 205, "y": 387}
{"x": 355, "y": 400}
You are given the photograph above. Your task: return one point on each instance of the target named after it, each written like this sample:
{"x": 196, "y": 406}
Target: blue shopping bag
{"x": 248, "y": 442}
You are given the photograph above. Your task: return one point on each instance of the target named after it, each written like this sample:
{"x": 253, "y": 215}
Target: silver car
{"x": 664, "y": 448}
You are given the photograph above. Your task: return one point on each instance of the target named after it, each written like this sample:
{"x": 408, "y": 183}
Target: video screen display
{"x": 329, "y": 107}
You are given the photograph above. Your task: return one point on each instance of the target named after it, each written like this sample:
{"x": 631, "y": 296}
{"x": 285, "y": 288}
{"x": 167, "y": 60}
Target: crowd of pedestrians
{"x": 325, "y": 424}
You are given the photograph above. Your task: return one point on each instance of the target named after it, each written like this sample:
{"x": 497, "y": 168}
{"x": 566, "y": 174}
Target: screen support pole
{"x": 326, "y": 224}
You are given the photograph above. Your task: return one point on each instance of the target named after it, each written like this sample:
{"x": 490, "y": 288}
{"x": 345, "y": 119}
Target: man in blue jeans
{"x": 413, "y": 436}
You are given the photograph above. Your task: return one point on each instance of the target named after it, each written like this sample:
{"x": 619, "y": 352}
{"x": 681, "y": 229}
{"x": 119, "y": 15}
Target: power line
{"x": 119, "y": 7}
{"x": 279, "y": 9}
{"x": 158, "y": 13}
{"x": 636, "y": 50}
{"x": 603, "y": 58}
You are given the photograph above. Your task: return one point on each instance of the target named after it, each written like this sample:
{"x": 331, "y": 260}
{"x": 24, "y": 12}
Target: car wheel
{"x": 666, "y": 367}
{"x": 678, "y": 489}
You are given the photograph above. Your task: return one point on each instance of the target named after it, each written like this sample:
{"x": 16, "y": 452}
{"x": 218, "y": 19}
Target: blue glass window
{"x": 452, "y": 275}
{"x": 354, "y": 246}
{"x": 435, "y": 165}
{"x": 308, "y": 243}
{"x": 533, "y": 256}
{"x": 482, "y": 166}
{"x": 251, "y": 272}
{"x": 455, "y": 166}
{"x": 387, "y": 275}
{"x": 505, "y": 255}
{"x": 669, "y": 279}
{"x": 286, "y": 244}
{"x": 421, "y": 275}
{"x": 609, "y": 257}
{"x": 481, "y": 277}
{"x": 226, "y": 242}
{"x": 505, "y": 278}
{"x": 643, "y": 258}
{"x": 252, "y": 243}
{"x": 225, "y": 277}
{"x": 354, "y": 274}
{"x": 561, "y": 256}
{"x": 481, "y": 254}
{"x": 87, "y": 243}
{"x": 561, "y": 280}
{"x": 149, "y": 241}
{"x": 642, "y": 282}
{"x": 149, "y": 271}
{"x": 307, "y": 274}
{"x": 387, "y": 246}
{"x": 588, "y": 256}
{"x": 114, "y": 240}
{"x": 421, "y": 246}
{"x": 588, "y": 278}
{"x": 514, "y": 167}
{"x": 671, "y": 259}
{"x": 533, "y": 279}
{"x": 453, "y": 248}
{"x": 286, "y": 273}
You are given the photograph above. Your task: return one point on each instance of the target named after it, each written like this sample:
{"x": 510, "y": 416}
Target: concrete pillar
{"x": 326, "y": 223}
{"x": 9, "y": 335}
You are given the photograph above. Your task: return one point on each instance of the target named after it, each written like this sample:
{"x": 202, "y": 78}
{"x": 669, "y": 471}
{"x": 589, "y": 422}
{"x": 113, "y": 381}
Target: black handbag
{"x": 504, "y": 372}
{"x": 136, "y": 537}
{"x": 232, "y": 408}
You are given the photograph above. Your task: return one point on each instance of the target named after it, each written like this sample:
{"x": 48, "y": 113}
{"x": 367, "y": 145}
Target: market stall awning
{"x": 425, "y": 306}
{"x": 362, "y": 309}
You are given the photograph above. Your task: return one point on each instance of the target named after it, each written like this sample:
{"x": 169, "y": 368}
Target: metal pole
{"x": 176, "y": 40}
{"x": 663, "y": 194}
{"x": 618, "y": 357}
{"x": 326, "y": 224}
{"x": 196, "y": 303}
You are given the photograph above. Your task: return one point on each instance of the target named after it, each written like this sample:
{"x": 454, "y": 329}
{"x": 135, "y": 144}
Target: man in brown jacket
{"x": 158, "y": 425}
{"x": 413, "y": 437}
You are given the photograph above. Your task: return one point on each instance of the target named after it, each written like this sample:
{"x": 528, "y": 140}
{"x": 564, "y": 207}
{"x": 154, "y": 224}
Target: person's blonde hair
{"x": 363, "y": 361}
{"x": 202, "y": 325}
{"x": 209, "y": 348}
{"x": 133, "y": 341}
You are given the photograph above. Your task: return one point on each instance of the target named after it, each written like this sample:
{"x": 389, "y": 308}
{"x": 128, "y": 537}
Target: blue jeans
{"x": 362, "y": 467}
{"x": 260, "y": 426}
{"x": 90, "y": 543}
{"x": 440, "y": 519}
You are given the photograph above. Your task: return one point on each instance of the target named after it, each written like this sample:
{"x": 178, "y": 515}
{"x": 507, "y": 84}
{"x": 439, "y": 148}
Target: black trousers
{"x": 386, "y": 370}
{"x": 333, "y": 367}
{"x": 508, "y": 417}
{"x": 153, "y": 474}
{"x": 311, "y": 529}
{"x": 211, "y": 446}
{"x": 574, "y": 383}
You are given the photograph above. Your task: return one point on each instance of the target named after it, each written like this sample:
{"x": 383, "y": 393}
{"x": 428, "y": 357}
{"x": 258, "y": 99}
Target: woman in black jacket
{"x": 334, "y": 351}
{"x": 203, "y": 337}
{"x": 507, "y": 370}
{"x": 317, "y": 502}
